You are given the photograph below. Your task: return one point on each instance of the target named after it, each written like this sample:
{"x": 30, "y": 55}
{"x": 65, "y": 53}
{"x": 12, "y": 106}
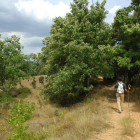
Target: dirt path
{"x": 116, "y": 130}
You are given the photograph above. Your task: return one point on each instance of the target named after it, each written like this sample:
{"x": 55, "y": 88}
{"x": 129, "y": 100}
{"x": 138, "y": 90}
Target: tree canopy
{"x": 72, "y": 51}
{"x": 126, "y": 28}
{"x": 13, "y": 66}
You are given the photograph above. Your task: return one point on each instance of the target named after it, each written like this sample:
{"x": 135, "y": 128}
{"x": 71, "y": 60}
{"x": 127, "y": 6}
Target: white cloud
{"x": 28, "y": 50}
{"x": 114, "y": 9}
{"x": 31, "y": 44}
{"x": 9, "y": 34}
{"x": 112, "y": 13}
{"x": 42, "y": 10}
{"x": 28, "y": 41}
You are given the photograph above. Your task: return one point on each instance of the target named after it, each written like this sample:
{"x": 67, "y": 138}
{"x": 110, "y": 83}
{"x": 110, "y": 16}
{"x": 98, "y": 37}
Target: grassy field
{"x": 53, "y": 122}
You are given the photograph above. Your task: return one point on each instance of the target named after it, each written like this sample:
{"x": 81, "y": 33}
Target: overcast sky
{"x": 31, "y": 20}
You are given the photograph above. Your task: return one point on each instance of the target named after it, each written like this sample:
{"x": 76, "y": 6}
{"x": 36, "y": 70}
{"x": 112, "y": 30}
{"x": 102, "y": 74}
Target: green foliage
{"x": 24, "y": 92}
{"x": 6, "y": 105}
{"x": 35, "y": 64}
{"x": 2, "y": 127}
{"x": 41, "y": 136}
{"x": 71, "y": 53}
{"x": 20, "y": 113}
{"x": 126, "y": 30}
{"x": 21, "y": 92}
{"x": 34, "y": 83}
{"x": 136, "y": 4}
{"x": 46, "y": 99}
{"x": 41, "y": 80}
{"x": 12, "y": 63}
{"x": 56, "y": 113}
{"x": 6, "y": 97}
{"x": 40, "y": 103}
{"x": 13, "y": 92}
{"x": 0, "y": 106}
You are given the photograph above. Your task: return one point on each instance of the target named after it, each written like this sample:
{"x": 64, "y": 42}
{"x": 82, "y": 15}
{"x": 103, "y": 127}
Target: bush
{"x": 56, "y": 113}
{"x": 41, "y": 80}
{"x": 20, "y": 113}
{"x": 5, "y": 97}
{"x": 23, "y": 92}
{"x": 0, "y": 106}
{"x": 34, "y": 83}
{"x": 13, "y": 92}
{"x": 66, "y": 88}
{"x": 6, "y": 105}
{"x": 66, "y": 99}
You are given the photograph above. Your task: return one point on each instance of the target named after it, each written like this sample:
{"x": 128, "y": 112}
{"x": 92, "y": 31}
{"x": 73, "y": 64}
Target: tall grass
{"x": 78, "y": 122}
{"x": 128, "y": 125}
{"x": 53, "y": 122}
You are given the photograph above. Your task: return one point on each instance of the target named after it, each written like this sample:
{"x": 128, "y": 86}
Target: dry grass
{"x": 128, "y": 126}
{"x": 4, "y": 126}
{"x": 57, "y": 123}
{"x": 78, "y": 122}
{"x": 27, "y": 82}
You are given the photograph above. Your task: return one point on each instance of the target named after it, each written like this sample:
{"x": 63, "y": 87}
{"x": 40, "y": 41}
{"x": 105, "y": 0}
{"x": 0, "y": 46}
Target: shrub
{"x": 6, "y": 105}
{"x": 20, "y": 113}
{"x": 2, "y": 127}
{"x": 13, "y": 92}
{"x": 41, "y": 80}
{"x": 66, "y": 99}
{"x": 56, "y": 113}
{"x": 5, "y": 97}
{"x": 23, "y": 92}
{"x": 34, "y": 83}
{"x": 46, "y": 99}
{"x": 40, "y": 103}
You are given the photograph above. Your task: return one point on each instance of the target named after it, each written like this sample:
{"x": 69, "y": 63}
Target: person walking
{"x": 120, "y": 87}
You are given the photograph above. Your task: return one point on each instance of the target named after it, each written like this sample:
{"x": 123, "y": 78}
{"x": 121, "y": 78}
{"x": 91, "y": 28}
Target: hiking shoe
{"x": 119, "y": 112}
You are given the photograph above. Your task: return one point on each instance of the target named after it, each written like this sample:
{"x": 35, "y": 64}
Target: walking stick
{"x": 129, "y": 87}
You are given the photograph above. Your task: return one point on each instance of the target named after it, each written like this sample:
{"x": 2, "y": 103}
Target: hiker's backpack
{"x": 120, "y": 88}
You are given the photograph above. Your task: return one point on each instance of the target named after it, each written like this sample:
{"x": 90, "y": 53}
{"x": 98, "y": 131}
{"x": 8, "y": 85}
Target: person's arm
{"x": 126, "y": 90}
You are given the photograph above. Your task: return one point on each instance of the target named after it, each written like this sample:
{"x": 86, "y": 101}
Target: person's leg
{"x": 118, "y": 101}
{"x": 122, "y": 100}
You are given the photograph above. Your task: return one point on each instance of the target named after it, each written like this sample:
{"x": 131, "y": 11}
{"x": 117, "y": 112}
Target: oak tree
{"x": 71, "y": 52}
